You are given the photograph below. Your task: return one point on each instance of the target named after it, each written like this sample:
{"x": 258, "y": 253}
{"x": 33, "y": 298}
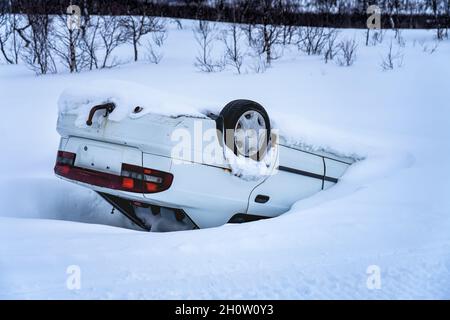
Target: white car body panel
{"x": 284, "y": 188}
{"x": 292, "y": 158}
{"x": 102, "y": 156}
{"x": 210, "y": 195}
{"x": 335, "y": 168}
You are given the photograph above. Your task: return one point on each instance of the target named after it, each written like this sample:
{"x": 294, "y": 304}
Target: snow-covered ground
{"x": 391, "y": 210}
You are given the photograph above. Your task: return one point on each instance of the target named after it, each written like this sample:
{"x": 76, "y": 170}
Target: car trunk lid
{"x": 149, "y": 133}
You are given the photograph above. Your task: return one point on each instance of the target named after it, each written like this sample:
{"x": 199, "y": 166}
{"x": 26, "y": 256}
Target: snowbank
{"x": 249, "y": 169}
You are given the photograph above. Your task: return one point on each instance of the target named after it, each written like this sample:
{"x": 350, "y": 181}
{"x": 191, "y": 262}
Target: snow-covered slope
{"x": 390, "y": 210}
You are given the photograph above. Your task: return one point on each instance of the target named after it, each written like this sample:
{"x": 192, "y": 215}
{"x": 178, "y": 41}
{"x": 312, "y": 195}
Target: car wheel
{"x": 247, "y": 128}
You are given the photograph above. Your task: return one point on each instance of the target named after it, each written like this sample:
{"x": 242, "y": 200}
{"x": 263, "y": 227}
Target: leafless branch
{"x": 392, "y": 59}
{"x": 347, "y": 50}
{"x": 111, "y": 36}
{"x": 134, "y": 27}
{"x": 205, "y": 33}
{"x": 234, "y": 55}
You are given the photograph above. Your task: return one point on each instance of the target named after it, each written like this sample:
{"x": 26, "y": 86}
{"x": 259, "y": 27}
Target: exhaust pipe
{"x": 109, "y": 107}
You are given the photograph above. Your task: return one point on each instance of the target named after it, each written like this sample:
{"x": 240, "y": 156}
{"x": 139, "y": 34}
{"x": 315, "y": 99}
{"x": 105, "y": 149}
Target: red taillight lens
{"x": 65, "y": 158}
{"x": 132, "y": 179}
{"x": 62, "y": 170}
{"x": 64, "y": 161}
{"x": 128, "y": 183}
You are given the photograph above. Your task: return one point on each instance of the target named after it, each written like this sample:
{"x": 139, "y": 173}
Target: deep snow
{"x": 391, "y": 210}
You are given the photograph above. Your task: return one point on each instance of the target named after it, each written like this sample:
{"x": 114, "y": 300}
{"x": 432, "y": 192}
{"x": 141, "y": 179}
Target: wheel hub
{"x": 250, "y": 133}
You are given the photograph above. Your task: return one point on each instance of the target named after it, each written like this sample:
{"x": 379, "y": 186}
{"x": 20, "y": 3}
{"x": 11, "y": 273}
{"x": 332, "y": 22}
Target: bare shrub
{"x": 399, "y": 37}
{"x": 234, "y": 55}
{"x": 331, "y": 48}
{"x": 6, "y": 32}
{"x": 111, "y": 36}
{"x": 18, "y": 24}
{"x": 90, "y": 42}
{"x": 312, "y": 40}
{"x": 347, "y": 52}
{"x": 288, "y": 34}
{"x": 392, "y": 59}
{"x": 160, "y": 37}
{"x": 287, "y": 8}
{"x": 377, "y": 37}
{"x": 248, "y": 30}
{"x": 429, "y": 48}
{"x": 266, "y": 33}
{"x": 154, "y": 53}
{"x": 205, "y": 33}
{"x": 37, "y": 53}
{"x": 67, "y": 44}
{"x": 134, "y": 27}
{"x": 440, "y": 33}
{"x": 178, "y": 23}
{"x": 265, "y": 41}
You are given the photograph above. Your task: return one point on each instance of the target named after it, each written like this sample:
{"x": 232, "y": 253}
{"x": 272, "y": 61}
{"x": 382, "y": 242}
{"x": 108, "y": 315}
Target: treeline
{"x": 320, "y": 13}
{"x": 43, "y": 35}
{"x": 40, "y": 36}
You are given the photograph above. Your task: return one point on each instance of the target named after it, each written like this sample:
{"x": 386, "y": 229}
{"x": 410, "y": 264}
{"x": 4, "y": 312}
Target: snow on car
{"x": 167, "y": 171}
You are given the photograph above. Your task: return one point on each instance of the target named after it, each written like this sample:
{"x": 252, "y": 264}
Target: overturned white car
{"x": 181, "y": 172}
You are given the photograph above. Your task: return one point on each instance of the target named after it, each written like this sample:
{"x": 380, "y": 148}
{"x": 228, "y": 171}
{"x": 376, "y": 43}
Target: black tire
{"x": 231, "y": 114}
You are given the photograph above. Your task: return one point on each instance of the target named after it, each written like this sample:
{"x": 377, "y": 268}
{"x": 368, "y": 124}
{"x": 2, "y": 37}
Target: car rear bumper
{"x": 209, "y": 195}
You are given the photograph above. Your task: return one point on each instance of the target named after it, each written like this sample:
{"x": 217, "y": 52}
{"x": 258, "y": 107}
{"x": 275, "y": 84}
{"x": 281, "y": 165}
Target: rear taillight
{"x": 65, "y": 158}
{"x": 148, "y": 180}
{"x": 132, "y": 179}
{"x": 64, "y": 161}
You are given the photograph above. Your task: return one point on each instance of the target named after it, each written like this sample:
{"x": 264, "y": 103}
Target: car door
{"x": 299, "y": 175}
